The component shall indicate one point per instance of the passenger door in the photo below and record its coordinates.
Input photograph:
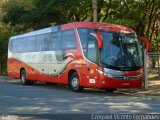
(92, 56)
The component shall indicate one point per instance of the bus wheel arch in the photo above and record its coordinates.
(74, 81)
(21, 70)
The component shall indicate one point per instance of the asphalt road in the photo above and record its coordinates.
(58, 99)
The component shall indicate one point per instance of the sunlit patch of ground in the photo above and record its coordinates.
(153, 90)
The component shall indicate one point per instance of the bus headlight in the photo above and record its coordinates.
(101, 72)
(105, 74)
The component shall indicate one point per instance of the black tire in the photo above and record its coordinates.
(110, 90)
(74, 83)
(24, 81)
(30, 82)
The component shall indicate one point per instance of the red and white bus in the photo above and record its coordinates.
(80, 54)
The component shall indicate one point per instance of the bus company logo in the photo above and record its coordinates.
(125, 78)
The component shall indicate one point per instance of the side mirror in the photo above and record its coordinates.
(99, 39)
(146, 42)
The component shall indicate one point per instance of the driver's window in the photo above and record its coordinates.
(92, 53)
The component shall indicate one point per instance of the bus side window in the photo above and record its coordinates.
(10, 45)
(30, 43)
(92, 52)
(68, 40)
(54, 41)
(83, 33)
(41, 44)
(14, 45)
(21, 45)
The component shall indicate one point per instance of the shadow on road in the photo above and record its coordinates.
(151, 92)
(58, 99)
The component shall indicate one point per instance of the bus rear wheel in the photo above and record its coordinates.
(74, 83)
(23, 78)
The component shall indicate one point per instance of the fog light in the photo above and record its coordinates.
(104, 82)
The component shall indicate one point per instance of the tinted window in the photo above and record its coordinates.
(41, 44)
(31, 44)
(13, 45)
(54, 41)
(89, 44)
(68, 40)
(83, 33)
(92, 51)
(26, 44)
(21, 45)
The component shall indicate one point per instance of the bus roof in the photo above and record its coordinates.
(94, 25)
(105, 26)
(41, 31)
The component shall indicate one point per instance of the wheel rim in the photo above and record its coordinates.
(75, 82)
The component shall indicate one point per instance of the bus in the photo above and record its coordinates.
(79, 54)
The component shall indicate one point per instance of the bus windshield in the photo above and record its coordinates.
(120, 51)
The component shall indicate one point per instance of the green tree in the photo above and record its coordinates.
(5, 33)
(20, 16)
(41, 13)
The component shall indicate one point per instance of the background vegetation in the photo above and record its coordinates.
(20, 16)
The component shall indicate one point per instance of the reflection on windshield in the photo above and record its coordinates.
(121, 51)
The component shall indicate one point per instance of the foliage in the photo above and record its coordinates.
(20, 16)
(41, 13)
(5, 33)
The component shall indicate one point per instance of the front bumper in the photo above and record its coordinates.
(105, 82)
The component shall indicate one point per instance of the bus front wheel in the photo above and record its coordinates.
(74, 83)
